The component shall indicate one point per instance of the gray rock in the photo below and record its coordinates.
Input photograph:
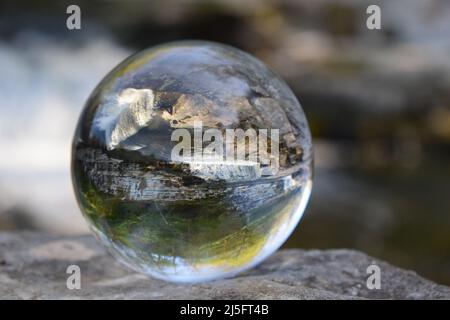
(33, 266)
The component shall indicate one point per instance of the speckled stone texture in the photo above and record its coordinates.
(33, 266)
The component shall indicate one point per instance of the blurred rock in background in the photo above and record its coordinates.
(378, 102)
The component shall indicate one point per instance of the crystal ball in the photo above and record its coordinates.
(192, 161)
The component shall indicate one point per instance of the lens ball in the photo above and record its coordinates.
(192, 161)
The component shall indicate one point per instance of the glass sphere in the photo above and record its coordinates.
(192, 161)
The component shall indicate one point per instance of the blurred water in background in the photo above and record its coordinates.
(43, 86)
(378, 103)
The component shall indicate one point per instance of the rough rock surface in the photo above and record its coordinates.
(33, 266)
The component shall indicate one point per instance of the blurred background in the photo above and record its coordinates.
(378, 104)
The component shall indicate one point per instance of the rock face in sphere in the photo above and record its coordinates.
(192, 161)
